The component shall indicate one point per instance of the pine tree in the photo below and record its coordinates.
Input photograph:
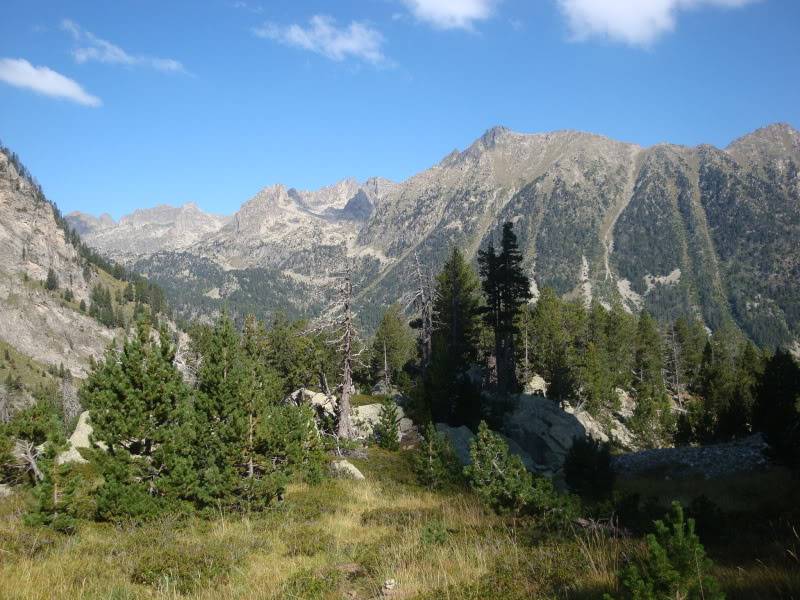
(139, 405)
(262, 389)
(392, 347)
(777, 406)
(435, 462)
(51, 283)
(453, 397)
(339, 321)
(552, 346)
(222, 421)
(652, 420)
(385, 431)
(507, 289)
(675, 566)
(498, 478)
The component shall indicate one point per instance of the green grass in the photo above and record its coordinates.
(31, 373)
(364, 399)
(344, 539)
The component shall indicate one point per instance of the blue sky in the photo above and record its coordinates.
(126, 104)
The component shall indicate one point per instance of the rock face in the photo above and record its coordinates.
(668, 228)
(717, 460)
(543, 430)
(34, 320)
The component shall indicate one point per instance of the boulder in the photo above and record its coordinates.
(543, 430)
(537, 386)
(5, 490)
(367, 416)
(346, 470)
(461, 438)
(323, 405)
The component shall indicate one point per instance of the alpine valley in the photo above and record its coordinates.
(671, 229)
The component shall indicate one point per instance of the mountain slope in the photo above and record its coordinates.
(669, 228)
(146, 230)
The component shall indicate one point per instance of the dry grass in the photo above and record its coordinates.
(342, 539)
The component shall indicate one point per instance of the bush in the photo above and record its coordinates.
(675, 566)
(587, 469)
(499, 479)
(385, 430)
(435, 462)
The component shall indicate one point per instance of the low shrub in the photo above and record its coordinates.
(435, 462)
(498, 478)
(675, 564)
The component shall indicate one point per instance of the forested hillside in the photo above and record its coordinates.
(678, 231)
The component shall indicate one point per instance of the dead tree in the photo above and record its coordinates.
(423, 303)
(339, 320)
(29, 455)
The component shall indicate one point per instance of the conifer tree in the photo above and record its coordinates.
(261, 390)
(220, 413)
(339, 322)
(393, 345)
(386, 428)
(51, 283)
(139, 407)
(435, 462)
(653, 420)
(507, 289)
(552, 346)
(452, 396)
(777, 406)
(499, 478)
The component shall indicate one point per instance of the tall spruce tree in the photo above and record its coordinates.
(507, 289)
(453, 397)
(777, 406)
(652, 421)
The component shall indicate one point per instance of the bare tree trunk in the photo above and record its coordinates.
(386, 375)
(423, 298)
(345, 425)
(29, 454)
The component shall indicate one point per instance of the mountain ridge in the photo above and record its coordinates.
(597, 218)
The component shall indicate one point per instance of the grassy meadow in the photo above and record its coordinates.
(345, 539)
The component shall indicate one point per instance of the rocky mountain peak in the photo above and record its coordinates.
(774, 142)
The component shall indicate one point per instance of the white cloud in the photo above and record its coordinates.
(100, 50)
(635, 22)
(248, 6)
(22, 74)
(452, 14)
(323, 36)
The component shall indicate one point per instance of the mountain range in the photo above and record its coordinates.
(667, 228)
